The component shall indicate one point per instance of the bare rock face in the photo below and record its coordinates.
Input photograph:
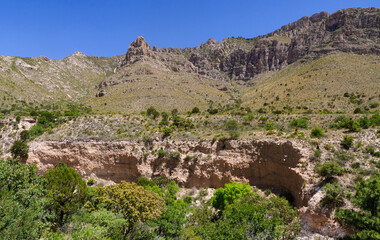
(350, 30)
(136, 49)
(262, 163)
(277, 165)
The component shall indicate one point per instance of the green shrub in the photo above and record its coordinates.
(231, 124)
(299, 123)
(317, 132)
(152, 112)
(66, 191)
(195, 110)
(317, 153)
(24, 135)
(161, 153)
(329, 170)
(270, 126)
(234, 134)
(90, 182)
(19, 149)
(333, 195)
(364, 221)
(347, 142)
(227, 195)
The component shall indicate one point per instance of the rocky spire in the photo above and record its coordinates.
(136, 50)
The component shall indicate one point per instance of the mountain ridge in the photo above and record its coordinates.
(212, 73)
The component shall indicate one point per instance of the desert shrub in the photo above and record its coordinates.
(364, 122)
(262, 110)
(24, 135)
(164, 116)
(347, 142)
(365, 221)
(299, 123)
(19, 149)
(248, 117)
(317, 132)
(195, 110)
(358, 110)
(270, 126)
(174, 112)
(334, 195)
(231, 124)
(161, 153)
(234, 134)
(152, 112)
(373, 105)
(227, 195)
(329, 170)
(317, 153)
(175, 155)
(375, 120)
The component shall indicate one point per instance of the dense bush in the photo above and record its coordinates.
(66, 191)
(227, 195)
(329, 170)
(19, 149)
(317, 132)
(299, 123)
(366, 220)
(347, 142)
(334, 195)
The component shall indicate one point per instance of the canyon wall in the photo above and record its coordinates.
(283, 166)
(264, 163)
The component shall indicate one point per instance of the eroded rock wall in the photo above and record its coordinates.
(208, 164)
(263, 163)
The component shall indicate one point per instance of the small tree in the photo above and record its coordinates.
(19, 149)
(24, 135)
(151, 111)
(133, 201)
(227, 195)
(66, 191)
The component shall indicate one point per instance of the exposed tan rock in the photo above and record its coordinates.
(275, 164)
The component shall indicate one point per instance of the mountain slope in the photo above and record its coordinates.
(216, 74)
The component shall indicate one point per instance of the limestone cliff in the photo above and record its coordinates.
(278, 165)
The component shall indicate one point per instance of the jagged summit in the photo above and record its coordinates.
(349, 30)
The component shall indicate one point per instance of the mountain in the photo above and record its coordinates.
(313, 60)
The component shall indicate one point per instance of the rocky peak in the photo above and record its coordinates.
(140, 43)
(137, 49)
(79, 54)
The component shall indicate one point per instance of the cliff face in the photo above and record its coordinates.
(282, 166)
(201, 164)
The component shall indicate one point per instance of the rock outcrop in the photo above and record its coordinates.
(278, 165)
(350, 30)
(261, 163)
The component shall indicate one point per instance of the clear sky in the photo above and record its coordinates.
(58, 28)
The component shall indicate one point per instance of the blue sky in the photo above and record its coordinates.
(58, 28)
